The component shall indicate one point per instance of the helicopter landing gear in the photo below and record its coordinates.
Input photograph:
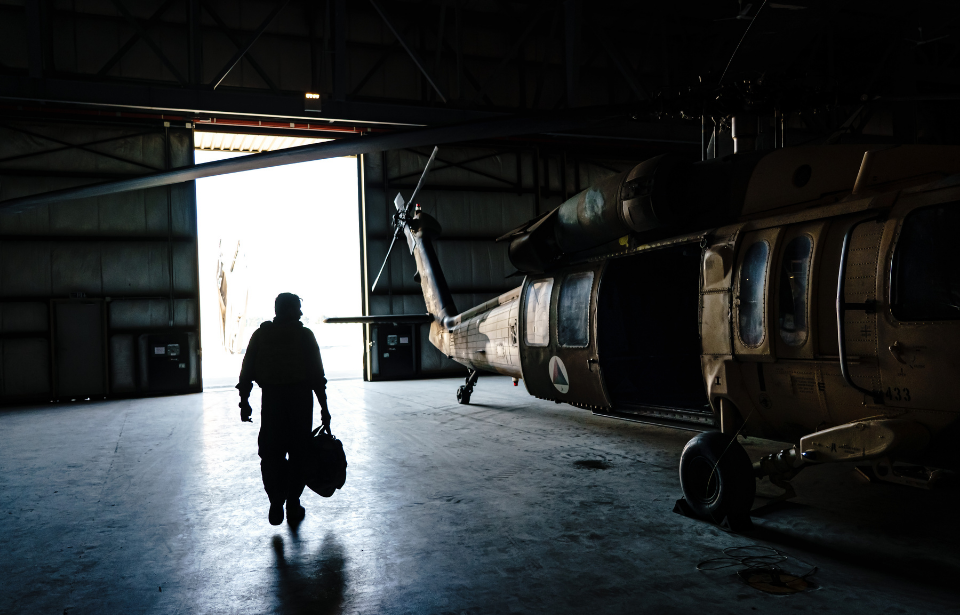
(781, 467)
(464, 392)
(717, 479)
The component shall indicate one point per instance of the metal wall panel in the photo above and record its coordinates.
(185, 268)
(75, 268)
(24, 317)
(25, 269)
(136, 269)
(133, 254)
(473, 264)
(151, 313)
(123, 364)
(470, 214)
(26, 368)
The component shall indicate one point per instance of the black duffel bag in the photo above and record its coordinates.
(326, 463)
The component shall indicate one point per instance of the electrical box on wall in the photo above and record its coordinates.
(167, 362)
(395, 351)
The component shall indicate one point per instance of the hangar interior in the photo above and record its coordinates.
(127, 484)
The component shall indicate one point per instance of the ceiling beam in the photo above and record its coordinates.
(486, 129)
(239, 45)
(510, 54)
(253, 104)
(243, 50)
(133, 21)
(152, 20)
(413, 55)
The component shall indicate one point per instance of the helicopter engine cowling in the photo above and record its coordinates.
(650, 197)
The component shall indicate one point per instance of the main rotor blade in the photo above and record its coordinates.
(426, 169)
(385, 259)
(470, 131)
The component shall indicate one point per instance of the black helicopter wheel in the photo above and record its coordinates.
(716, 476)
(463, 396)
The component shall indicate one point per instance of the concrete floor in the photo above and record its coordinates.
(155, 506)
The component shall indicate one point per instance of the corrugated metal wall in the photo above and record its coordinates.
(477, 194)
(86, 285)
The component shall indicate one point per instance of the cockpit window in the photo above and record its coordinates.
(794, 280)
(753, 275)
(926, 279)
(573, 310)
(537, 315)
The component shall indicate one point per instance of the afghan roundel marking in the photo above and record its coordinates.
(558, 375)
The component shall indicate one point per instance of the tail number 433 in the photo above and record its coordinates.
(898, 394)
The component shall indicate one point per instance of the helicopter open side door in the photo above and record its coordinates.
(558, 336)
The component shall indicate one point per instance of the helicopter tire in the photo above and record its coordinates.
(716, 477)
(463, 396)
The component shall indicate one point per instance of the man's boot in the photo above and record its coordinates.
(295, 512)
(276, 513)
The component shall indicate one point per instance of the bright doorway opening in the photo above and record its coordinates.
(294, 229)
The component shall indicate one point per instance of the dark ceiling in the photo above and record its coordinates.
(382, 63)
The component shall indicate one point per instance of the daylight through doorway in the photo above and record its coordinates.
(292, 229)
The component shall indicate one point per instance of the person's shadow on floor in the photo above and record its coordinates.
(311, 584)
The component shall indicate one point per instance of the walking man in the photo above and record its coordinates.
(284, 359)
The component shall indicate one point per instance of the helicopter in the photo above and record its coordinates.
(799, 295)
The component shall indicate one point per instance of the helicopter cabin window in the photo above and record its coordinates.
(537, 315)
(753, 274)
(926, 280)
(794, 280)
(573, 310)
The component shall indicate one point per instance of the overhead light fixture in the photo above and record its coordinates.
(311, 101)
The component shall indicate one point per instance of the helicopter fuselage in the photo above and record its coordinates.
(738, 324)
(818, 304)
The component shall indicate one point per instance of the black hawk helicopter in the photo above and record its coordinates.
(800, 294)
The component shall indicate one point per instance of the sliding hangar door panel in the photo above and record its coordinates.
(85, 285)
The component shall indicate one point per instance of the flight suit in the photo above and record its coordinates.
(284, 359)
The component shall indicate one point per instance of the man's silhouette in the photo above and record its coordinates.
(284, 359)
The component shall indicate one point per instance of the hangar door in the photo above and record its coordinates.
(98, 296)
